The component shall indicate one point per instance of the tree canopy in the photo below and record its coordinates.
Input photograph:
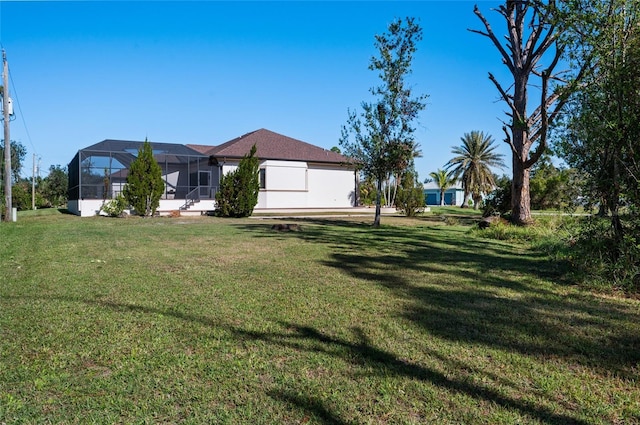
(444, 180)
(18, 152)
(380, 139)
(602, 128)
(472, 165)
(55, 185)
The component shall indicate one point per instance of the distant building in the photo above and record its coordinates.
(452, 196)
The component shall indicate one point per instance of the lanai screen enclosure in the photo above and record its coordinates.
(99, 172)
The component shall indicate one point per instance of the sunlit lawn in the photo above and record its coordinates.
(205, 320)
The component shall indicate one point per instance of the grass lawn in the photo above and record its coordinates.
(205, 320)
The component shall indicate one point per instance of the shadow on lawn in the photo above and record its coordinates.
(361, 352)
(309, 405)
(486, 293)
(364, 354)
(481, 292)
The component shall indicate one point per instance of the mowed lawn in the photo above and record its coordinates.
(205, 320)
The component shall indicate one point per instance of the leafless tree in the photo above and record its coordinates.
(530, 49)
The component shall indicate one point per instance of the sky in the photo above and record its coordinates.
(205, 72)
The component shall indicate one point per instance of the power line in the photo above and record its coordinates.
(24, 123)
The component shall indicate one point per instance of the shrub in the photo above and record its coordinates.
(115, 207)
(498, 202)
(367, 190)
(238, 194)
(541, 232)
(144, 183)
(451, 221)
(410, 196)
(602, 259)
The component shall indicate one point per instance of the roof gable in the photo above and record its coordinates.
(271, 145)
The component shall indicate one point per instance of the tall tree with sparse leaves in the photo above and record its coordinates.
(530, 49)
(238, 194)
(144, 183)
(380, 139)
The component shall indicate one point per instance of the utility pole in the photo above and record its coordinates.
(8, 212)
(33, 184)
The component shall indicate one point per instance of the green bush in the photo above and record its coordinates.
(367, 190)
(238, 194)
(451, 221)
(115, 207)
(410, 196)
(604, 261)
(544, 230)
(498, 202)
(144, 183)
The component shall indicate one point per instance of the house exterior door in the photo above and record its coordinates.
(204, 183)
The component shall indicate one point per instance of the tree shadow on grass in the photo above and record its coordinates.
(309, 405)
(482, 292)
(361, 352)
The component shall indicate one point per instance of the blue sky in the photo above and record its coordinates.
(205, 72)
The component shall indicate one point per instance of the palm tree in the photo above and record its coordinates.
(443, 180)
(472, 165)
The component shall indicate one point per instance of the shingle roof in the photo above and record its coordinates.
(203, 149)
(271, 145)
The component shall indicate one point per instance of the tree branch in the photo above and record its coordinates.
(544, 123)
(491, 35)
(509, 142)
(505, 96)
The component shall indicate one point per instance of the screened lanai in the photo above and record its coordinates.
(99, 172)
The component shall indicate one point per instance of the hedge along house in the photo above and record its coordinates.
(99, 172)
(293, 174)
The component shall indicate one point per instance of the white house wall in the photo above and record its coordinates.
(285, 175)
(330, 187)
(91, 207)
(295, 184)
(87, 207)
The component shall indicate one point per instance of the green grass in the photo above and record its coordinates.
(205, 320)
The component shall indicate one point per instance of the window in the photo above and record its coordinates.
(263, 178)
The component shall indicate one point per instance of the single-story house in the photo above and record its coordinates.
(452, 196)
(293, 174)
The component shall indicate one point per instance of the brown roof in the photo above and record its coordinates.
(270, 145)
(203, 149)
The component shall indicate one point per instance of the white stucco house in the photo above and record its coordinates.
(293, 173)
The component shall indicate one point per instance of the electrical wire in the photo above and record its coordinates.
(24, 122)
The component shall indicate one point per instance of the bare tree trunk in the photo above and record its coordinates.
(442, 198)
(520, 196)
(396, 182)
(376, 220)
(465, 200)
(476, 201)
